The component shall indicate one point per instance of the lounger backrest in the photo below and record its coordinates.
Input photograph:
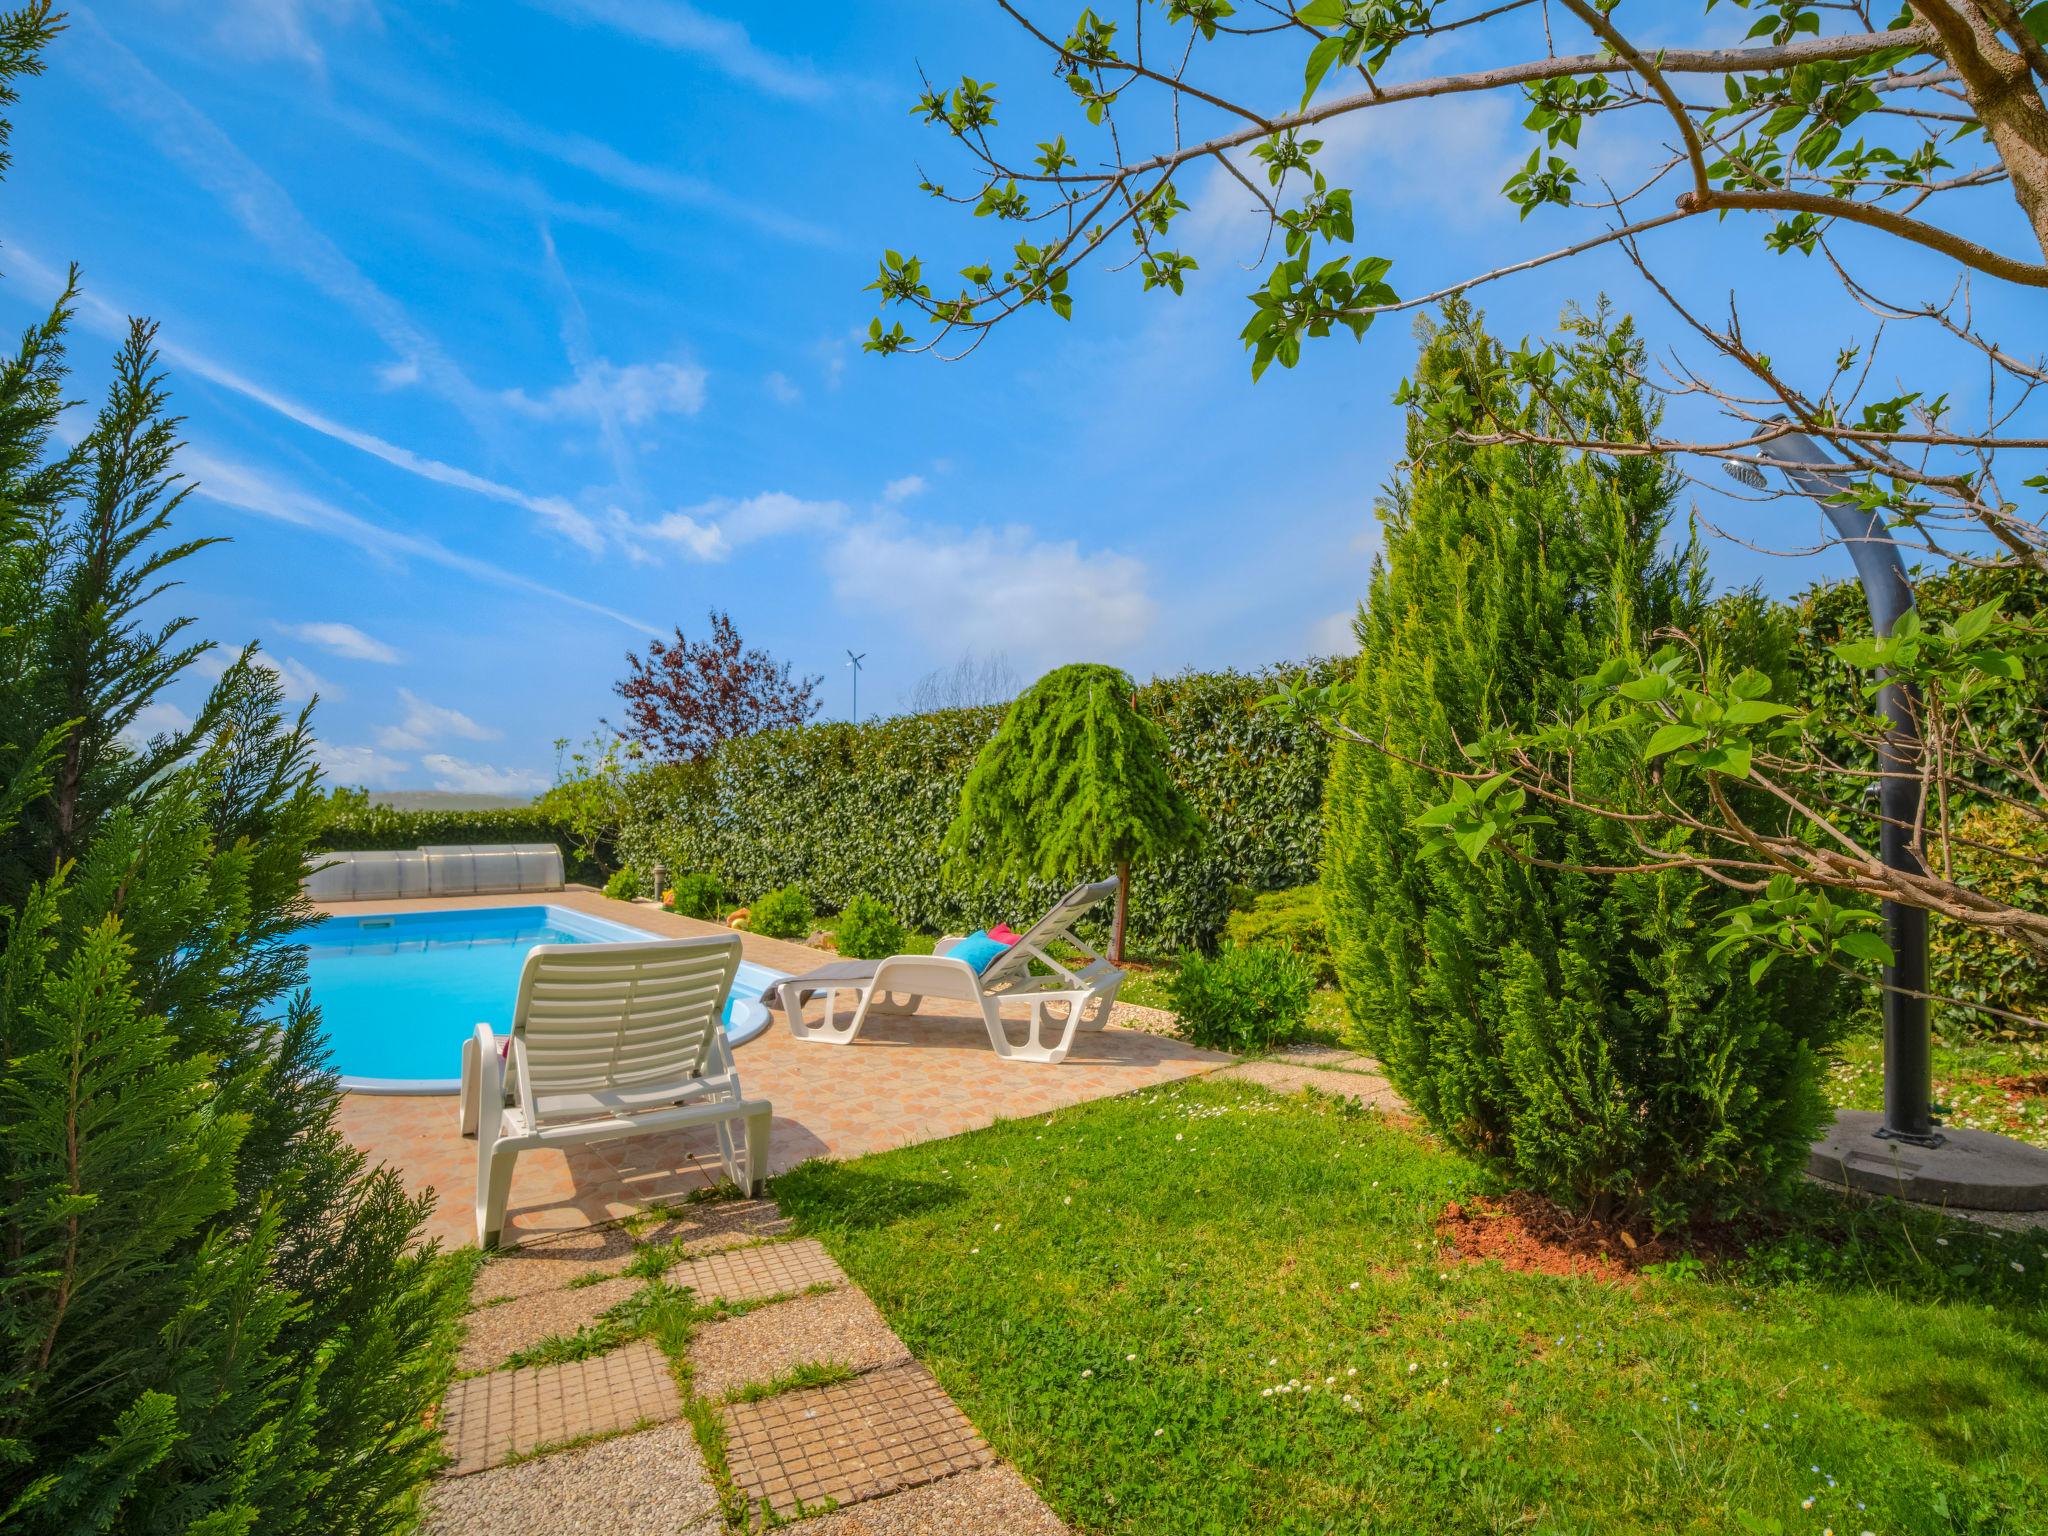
(1067, 911)
(598, 1016)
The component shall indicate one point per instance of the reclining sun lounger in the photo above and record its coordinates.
(608, 1040)
(1059, 997)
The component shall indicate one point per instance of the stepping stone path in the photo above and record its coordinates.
(605, 1445)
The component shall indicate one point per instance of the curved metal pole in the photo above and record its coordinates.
(1888, 590)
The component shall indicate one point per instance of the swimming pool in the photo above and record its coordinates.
(400, 992)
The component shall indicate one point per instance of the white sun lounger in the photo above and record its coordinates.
(1059, 997)
(608, 1040)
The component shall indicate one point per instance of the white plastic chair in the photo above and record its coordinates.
(1059, 997)
(608, 1040)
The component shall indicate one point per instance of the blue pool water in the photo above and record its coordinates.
(399, 994)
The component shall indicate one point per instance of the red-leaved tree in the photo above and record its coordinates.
(683, 699)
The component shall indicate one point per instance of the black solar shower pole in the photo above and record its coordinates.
(1908, 1039)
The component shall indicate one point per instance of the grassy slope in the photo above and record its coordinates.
(1109, 1291)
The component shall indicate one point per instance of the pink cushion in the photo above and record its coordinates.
(1003, 934)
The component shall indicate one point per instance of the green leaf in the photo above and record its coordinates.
(1732, 758)
(1669, 738)
(1861, 944)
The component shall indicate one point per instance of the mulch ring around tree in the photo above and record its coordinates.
(1527, 1232)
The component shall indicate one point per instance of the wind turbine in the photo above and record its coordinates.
(854, 662)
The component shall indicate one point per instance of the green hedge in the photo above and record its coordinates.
(844, 811)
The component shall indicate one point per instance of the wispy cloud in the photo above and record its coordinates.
(238, 485)
(903, 488)
(723, 44)
(342, 639)
(426, 723)
(191, 140)
(712, 530)
(781, 390)
(557, 513)
(364, 766)
(455, 775)
(267, 29)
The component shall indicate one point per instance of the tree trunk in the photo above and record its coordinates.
(1123, 907)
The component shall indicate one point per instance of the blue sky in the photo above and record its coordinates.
(509, 334)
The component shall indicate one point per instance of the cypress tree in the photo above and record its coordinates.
(1567, 1026)
(1074, 782)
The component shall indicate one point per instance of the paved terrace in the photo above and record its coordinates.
(903, 1081)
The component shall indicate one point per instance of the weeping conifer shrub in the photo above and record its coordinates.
(213, 1316)
(1075, 785)
(1568, 1027)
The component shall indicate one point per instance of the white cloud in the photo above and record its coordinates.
(342, 639)
(1332, 634)
(457, 776)
(264, 29)
(713, 529)
(781, 390)
(635, 394)
(364, 766)
(159, 717)
(996, 589)
(724, 44)
(903, 489)
(425, 723)
(300, 682)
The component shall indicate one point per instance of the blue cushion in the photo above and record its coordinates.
(978, 949)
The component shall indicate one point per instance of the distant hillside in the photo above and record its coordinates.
(443, 800)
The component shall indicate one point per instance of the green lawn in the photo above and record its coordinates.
(1966, 1085)
(1208, 1309)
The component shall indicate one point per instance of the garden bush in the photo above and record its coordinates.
(1292, 919)
(624, 885)
(847, 810)
(1569, 1027)
(699, 895)
(1244, 998)
(868, 930)
(781, 914)
(1971, 963)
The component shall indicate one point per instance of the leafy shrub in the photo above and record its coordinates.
(1292, 919)
(1244, 999)
(847, 810)
(698, 895)
(623, 886)
(781, 914)
(1571, 1028)
(1970, 962)
(868, 930)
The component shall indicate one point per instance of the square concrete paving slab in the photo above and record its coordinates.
(837, 1328)
(750, 1274)
(486, 1420)
(495, 1334)
(881, 1433)
(705, 1226)
(993, 1501)
(649, 1484)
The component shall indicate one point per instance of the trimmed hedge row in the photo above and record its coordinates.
(845, 810)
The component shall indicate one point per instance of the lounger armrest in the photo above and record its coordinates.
(483, 1082)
